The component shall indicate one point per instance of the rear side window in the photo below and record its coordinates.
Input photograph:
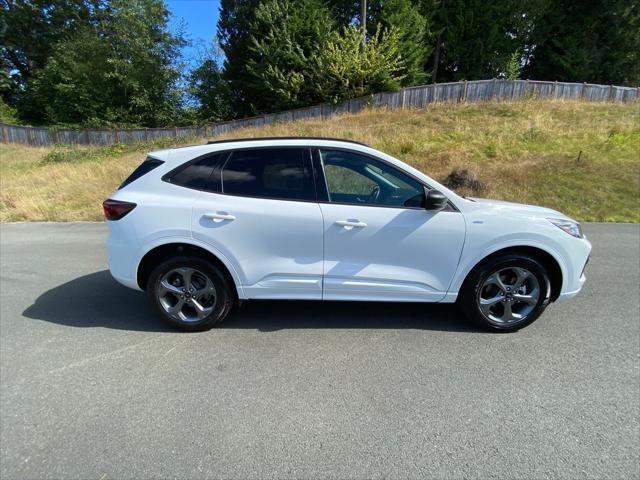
(144, 168)
(279, 173)
(203, 174)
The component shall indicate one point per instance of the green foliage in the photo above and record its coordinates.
(7, 113)
(29, 31)
(115, 62)
(235, 40)
(513, 67)
(210, 91)
(354, 70)
(476, 39)
(596, 41)
(412, 30)
(121, 69)
(287, 38)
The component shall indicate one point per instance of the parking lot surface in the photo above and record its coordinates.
(93, 386)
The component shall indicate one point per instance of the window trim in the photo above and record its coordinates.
(307, 166)
(320, 166)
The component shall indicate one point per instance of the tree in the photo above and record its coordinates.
(235, 40)
(287, 38)
(475, 39)
(121, 69)
(413, 32)
(353, 70)
(29, 30)
(593, 41)
(207, 87)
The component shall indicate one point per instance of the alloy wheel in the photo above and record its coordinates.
(186, 294)
(508, 295)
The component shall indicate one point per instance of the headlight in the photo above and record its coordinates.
(569, 226)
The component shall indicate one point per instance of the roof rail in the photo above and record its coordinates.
(213, 142)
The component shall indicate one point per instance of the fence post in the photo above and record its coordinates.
(464, 92)
(555, 89)
(402, 99)
(5, 134)
(493, 89)
(610, 92)
(584, 84)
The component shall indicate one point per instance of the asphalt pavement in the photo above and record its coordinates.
(92, 385)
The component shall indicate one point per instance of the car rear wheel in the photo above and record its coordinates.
(189, 293)
(506, 293)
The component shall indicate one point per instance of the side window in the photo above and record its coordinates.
(203, 174)
(279, 173)
(361, 180)
(142, 169)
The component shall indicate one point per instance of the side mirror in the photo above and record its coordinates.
(434, 199)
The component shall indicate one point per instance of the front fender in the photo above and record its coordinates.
(472, 255)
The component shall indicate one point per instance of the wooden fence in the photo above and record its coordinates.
(410, 97)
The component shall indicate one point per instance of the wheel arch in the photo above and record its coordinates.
(178, 247)
(546, 259)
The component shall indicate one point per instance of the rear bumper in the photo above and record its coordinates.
(121, 249)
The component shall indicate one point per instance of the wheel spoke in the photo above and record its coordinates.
(208, 289)
(201, 311)
(487, 303)
(521, 276)
(186, 274)
(494, 279)
(530, 299)
(166, 287)
(508, 313)
(177, 308)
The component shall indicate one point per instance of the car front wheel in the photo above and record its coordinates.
(506, 293)
(189, 293)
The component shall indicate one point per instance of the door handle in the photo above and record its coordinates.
(219, 216)
(349, 224)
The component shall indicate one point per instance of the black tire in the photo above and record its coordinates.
(475, 286)
(220, 304)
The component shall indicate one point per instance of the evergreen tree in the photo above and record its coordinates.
(287, 37)
(594, 41)
(207, 87)
(234, 37)
(351, 69)
(413, 32)
(476, 39)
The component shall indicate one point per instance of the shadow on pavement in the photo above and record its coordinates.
(96, 300)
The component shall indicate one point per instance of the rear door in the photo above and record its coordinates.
(262, 216)
(379, 242)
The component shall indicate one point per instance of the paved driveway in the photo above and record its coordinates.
(92, 386)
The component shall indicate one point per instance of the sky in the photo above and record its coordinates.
(200, 18)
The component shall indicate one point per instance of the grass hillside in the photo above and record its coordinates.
(580, 158)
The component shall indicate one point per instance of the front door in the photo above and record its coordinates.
(379, 243)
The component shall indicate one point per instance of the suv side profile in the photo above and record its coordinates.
(200, 228)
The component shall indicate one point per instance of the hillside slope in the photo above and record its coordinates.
(580, 158)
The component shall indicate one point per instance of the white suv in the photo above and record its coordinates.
(200, 228)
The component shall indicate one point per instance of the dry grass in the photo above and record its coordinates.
(580, 158)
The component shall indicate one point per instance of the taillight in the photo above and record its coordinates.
(115, 209)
